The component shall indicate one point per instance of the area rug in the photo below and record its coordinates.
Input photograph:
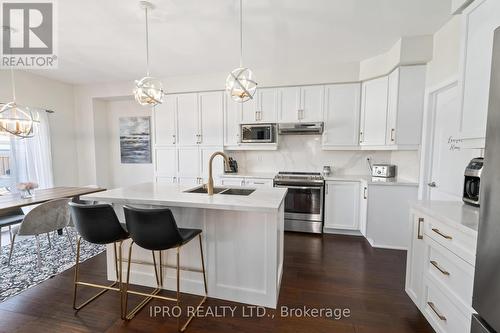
(23, 272)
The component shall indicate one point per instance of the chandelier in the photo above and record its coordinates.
(148, 90)
(15, 119)
(240, 83)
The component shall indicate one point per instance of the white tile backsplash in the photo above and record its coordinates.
(304, 153)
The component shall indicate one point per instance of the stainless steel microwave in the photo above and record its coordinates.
(258, 133)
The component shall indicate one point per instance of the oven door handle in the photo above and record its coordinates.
(301, 187)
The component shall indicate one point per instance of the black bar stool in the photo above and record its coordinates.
(156, 230)
(98, 224)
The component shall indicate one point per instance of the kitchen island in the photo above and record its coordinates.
(242, 240)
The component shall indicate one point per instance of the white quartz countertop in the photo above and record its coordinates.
(456, 213)
(262, 200)
(373, 180)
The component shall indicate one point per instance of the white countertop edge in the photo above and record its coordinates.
(132, 201)
(437, 210)
(174, 196)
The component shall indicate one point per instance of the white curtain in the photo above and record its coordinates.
(32, 157)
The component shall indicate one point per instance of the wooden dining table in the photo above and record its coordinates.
(14, 200)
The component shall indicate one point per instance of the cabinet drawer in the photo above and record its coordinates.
(454, 275)
(258, 182)
(441, 313)
(456, 241)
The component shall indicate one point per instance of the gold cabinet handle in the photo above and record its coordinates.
(437, 231)
(419, 230)
(361, 139)
(435, 264)
(435, 310)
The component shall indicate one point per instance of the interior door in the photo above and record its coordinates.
(187, 115)
(211, 118)
(165, 122)
(374, 112)
(448, 159)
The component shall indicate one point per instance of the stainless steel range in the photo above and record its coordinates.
(304, 200)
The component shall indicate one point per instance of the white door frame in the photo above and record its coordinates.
(428, 134)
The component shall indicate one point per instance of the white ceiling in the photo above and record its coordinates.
(103, 40)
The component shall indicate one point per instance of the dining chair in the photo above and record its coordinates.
(43, 219)
(8, 219)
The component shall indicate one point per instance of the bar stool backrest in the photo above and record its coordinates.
(152, 229)
(97, 224)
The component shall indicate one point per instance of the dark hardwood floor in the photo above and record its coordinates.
(337, 272)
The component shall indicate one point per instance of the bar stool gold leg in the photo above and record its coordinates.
(159, 280)
(183, 328)
(148, 297)
(77, 282)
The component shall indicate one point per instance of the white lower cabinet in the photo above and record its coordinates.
(343, 205)
(166, 165)
(439, 279)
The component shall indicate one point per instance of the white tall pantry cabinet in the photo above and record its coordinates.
(188, 128)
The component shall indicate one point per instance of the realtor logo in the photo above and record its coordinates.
(28, 34)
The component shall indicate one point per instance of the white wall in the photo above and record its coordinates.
(446, 55)
(37, 91)
(124, 174)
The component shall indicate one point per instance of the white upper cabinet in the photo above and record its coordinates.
(405, 106)
(481, 20)
(188, 119)
(263, 108)
(165, 117)
(301, 104)
(311, 99)
(342, 110)
(374, 112)
(392, 109)
(289, 99)
(232, 120)
(211, 118)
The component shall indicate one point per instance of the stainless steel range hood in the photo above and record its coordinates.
(301, 128)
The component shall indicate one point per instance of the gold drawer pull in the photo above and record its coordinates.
(441, 234)
(435, 264)
(433, 307)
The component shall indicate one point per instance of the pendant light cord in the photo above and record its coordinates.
(147, 41)
(241, 33)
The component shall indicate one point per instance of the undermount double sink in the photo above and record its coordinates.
(222, 190)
